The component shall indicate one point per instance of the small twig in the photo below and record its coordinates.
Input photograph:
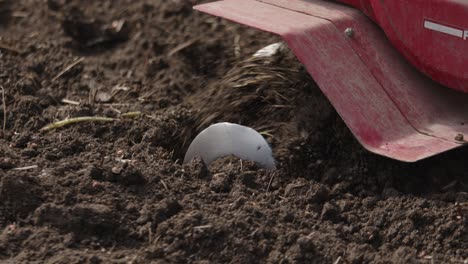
(150, 233)
(77, 120)
(115, 104)
(67, 101)
(92, 92)
(147, 95)
(115, 110)
(182, 47)
(203, 227)
(26, 168)
(4, 109)
(338, 260)
(269, 183)
(68, 68)
(282, 96)
(120, 87)
(71, 121)
(131, 114)
(282, 106)
(266, 133)
(237, 47)
(19, 14)
(164, 184)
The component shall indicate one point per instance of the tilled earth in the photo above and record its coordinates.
(116, 192)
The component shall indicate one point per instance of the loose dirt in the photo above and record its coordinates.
(116, 192)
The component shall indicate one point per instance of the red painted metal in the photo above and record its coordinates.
(431, 34)
(363, 5)
(359, 4)
(390, 107)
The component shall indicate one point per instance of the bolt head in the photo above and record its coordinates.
(460, 137)
(349, 32)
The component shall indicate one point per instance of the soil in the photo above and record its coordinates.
(116, 192)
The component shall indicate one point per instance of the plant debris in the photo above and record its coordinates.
(71, 121)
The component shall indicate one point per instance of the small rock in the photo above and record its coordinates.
(296, 188)
(116, 169)
(344, 205)
(37, 65)
(305, 243)
(22, 140)
(26, 86)
(131, 176)
(404, 255)
(288, 217)
(330, 211)
(220, 182)
(370, 233)
(415, 215)
(145, 215)
(29, 153)
(248, 179)
(358, 253)
(103, 97)
(318, 194)
(165, 209)
(197, 168)
(155, 65)
(94, 172)
(6, 163)
(131, 208)
(369, 202)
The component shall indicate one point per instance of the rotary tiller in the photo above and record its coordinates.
(396, 71)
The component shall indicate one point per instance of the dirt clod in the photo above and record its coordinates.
(220, 182)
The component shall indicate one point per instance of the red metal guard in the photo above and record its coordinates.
(391, 108)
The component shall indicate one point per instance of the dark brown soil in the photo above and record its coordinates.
(116, 192)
